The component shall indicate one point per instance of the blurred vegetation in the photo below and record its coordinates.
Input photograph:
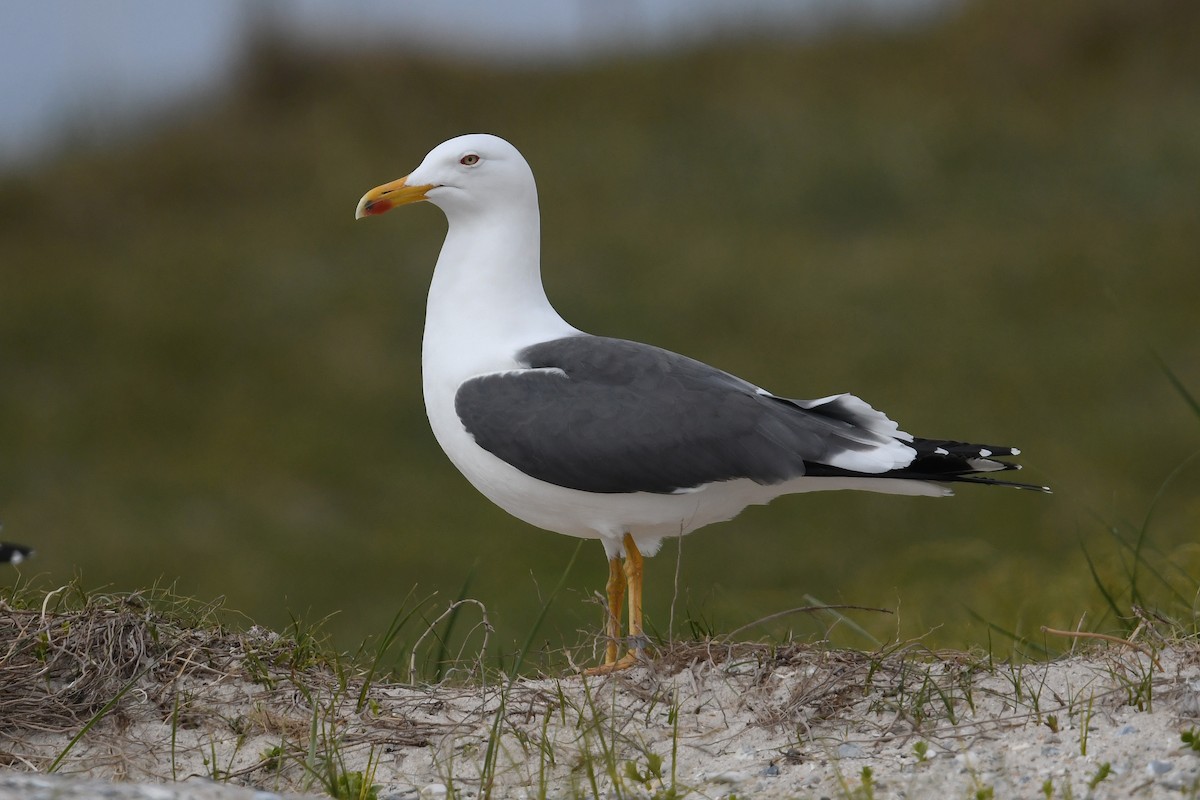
(209, 372)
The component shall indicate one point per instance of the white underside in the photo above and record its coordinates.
(649, 517)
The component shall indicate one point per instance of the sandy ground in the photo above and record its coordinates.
(229, 712)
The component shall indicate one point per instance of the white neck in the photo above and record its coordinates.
(486, 299)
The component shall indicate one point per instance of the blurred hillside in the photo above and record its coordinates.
(210, 374)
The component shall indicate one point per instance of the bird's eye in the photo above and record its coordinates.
(469, 160)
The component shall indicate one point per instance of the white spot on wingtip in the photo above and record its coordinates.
(941, 451)
(1015, 452)
(983, 451)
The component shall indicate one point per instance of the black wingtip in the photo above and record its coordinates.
(1032, 487)
(951, 461)
(945, 461)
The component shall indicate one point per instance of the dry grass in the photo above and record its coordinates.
(60, 668)
(123, 660)
(149, 687)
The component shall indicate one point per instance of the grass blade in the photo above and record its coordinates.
(99, 715)
(389, 636)
(1020, 641)
(1187, 396)
(439, 658)
(1108, 598)
(519, 658)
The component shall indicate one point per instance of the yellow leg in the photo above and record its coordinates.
(630, 575)
(616, 596)
(633, 575)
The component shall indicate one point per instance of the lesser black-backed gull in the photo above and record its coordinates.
(611, 439)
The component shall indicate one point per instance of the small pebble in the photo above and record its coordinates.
(729, 776)
(1157, 767)
(849, 750)
(1126, 730)
(434, 790)
(771, 771)
(1183, 779)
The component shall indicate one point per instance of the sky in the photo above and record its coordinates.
(74, 70)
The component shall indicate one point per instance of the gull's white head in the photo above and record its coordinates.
(474, 172)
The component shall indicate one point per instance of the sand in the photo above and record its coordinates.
(208, 715)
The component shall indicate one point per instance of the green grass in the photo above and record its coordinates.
(210, 373)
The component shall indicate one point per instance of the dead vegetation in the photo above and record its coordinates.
(117, 662)
(148, 687)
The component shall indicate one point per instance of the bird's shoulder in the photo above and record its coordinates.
(585, 357)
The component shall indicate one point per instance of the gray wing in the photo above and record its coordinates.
(608, 415)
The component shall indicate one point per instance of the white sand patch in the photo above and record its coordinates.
(707, 721)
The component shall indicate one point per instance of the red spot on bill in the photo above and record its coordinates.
(377, 207)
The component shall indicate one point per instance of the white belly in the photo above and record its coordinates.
(649, 517)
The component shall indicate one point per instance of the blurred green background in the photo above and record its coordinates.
(987, 227)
